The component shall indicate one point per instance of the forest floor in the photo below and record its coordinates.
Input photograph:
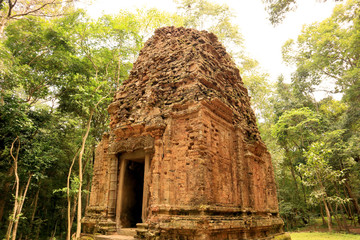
(319, 231)
(323, 236)
(324, 228)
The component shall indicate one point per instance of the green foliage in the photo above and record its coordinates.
(213, 17)
(74, 188)
(71, 64)
(151, 19)
(297, 128)
(38, 54)
(318, 173)
(258, 86)
(329, 49)
(18, 119)
(321, 158)
(277, 9)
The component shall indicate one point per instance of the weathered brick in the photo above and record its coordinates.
(185, 116)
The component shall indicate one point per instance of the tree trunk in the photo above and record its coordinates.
(73, 210)
(5, 191)
(350, 192)
(69, 225)
(294, 178)
(323, 198)
(88, 125)
(328, 215)
(35, 203)
(335, 215)
(54, 232)
(353, 199)
(17, 183)
(22, 200)
(82, 149)
(3, 200)
(344, 222)
(351, 216)
(322, 215)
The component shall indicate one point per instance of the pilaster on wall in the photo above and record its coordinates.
(97, 213)
(113, 183)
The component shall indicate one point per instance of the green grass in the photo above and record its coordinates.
(323, 236)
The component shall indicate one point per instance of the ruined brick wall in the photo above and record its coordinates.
(100, 175)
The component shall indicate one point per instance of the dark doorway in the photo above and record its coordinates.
(132, 193)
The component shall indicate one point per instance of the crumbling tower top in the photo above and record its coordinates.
(179, 65)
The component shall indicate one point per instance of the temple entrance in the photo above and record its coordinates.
(133, 194)
(131, 197)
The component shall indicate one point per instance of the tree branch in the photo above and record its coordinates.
(35, 10)
(10, 8)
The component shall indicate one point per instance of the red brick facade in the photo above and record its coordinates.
(182, 125)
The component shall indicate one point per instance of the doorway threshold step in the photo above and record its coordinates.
(127, 231)
(123, 234)
(113, 237)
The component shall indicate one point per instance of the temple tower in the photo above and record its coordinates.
(184, 158)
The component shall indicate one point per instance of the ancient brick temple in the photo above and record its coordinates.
(184, 155)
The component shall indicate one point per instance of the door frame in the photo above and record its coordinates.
(140, 156)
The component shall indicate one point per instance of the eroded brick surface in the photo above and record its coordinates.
(185, 110)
